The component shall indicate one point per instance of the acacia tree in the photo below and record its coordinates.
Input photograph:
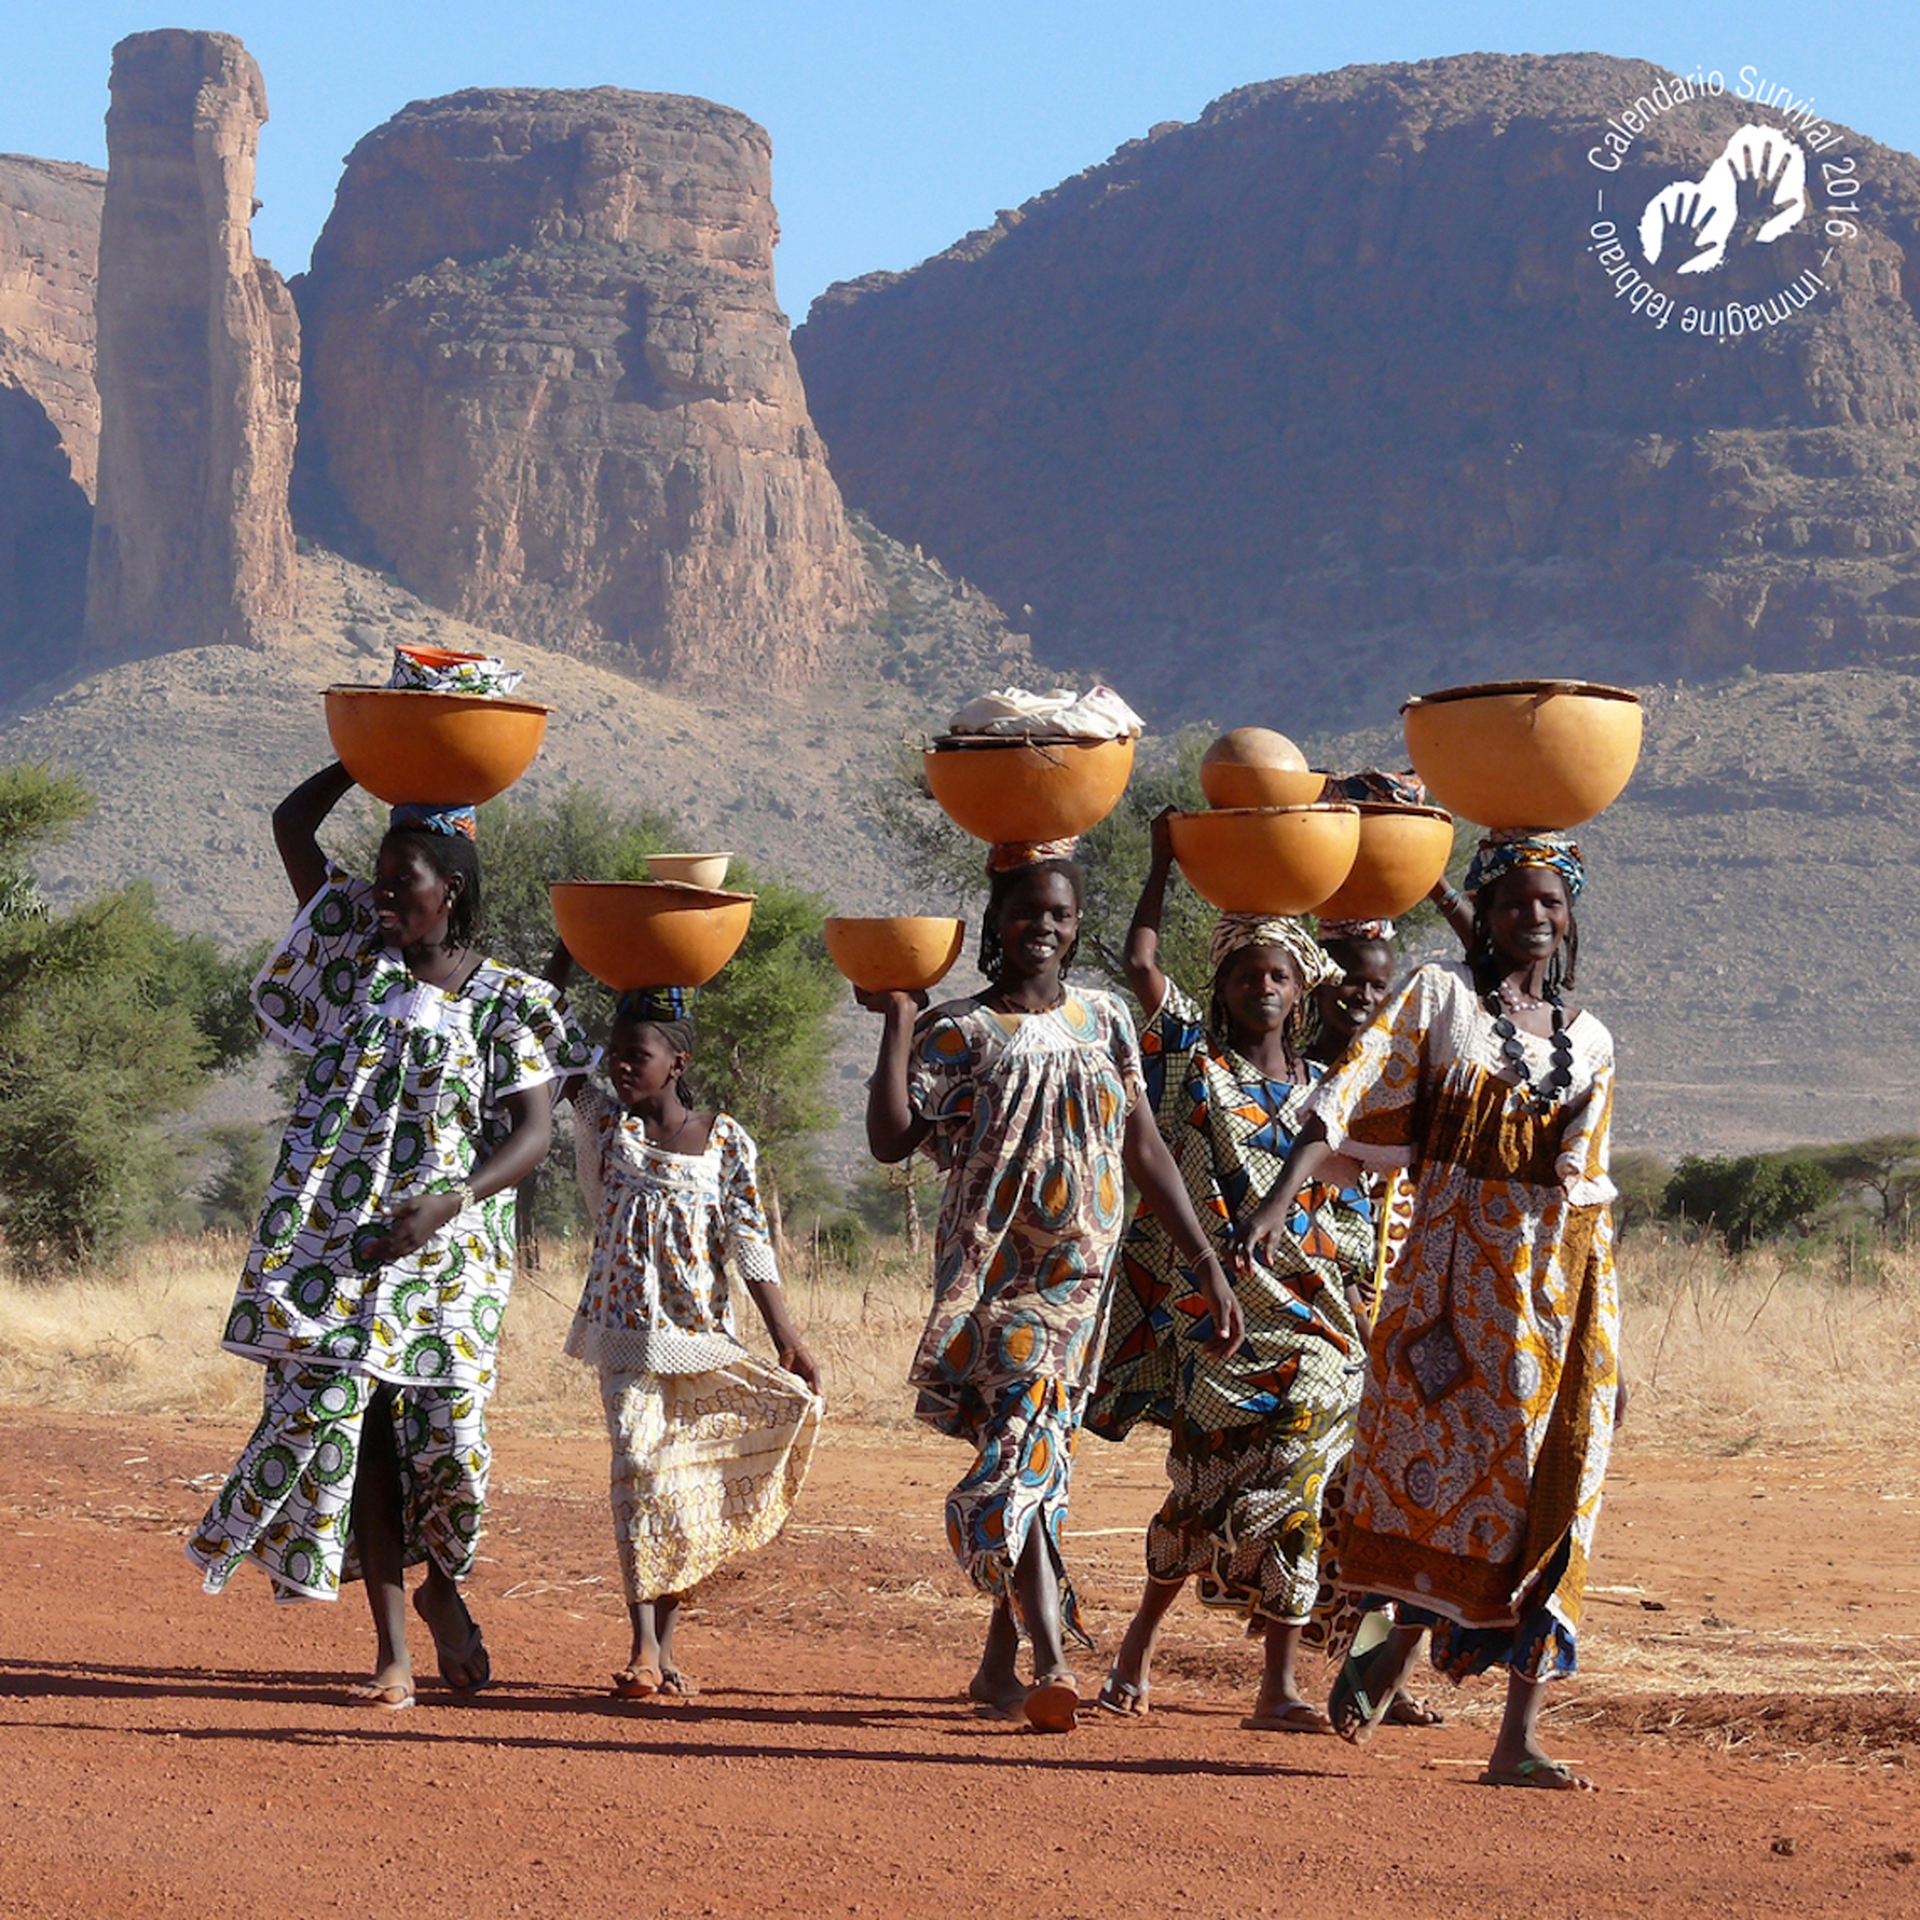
(109, 1022)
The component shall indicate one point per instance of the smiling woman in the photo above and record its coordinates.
(378, 1277)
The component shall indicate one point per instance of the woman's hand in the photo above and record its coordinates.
(1260, 1237)
(412, 1224)
(1229, 1323)
(891, 1001)
(1160, 839)
(797, 1360)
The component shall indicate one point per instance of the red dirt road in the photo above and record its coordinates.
(167, 1754)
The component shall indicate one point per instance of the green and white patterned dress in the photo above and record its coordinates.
(405, 1092)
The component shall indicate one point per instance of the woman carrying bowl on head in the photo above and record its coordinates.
(1257, 1431)
(1489, 1404)
(378, 1276)
(1029, 1096)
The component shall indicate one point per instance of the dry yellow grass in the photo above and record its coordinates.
(1773, 1353)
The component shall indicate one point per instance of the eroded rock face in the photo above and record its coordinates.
(549, 386)
(198, 361)
(49, 411)
(1320, 400)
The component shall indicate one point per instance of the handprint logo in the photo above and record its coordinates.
(1754, 193)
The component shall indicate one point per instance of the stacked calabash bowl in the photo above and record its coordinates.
(677, 929)
(1267, 843)
(433, 749)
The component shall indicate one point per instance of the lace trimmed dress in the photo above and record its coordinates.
(1028, 1114)
(404, 1092)
(1487, 1415)
(710, 1443)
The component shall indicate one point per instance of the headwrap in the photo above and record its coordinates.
(1233, 932)
(415, 818)
(1370, 784)
(655, 1006)
(1356, 930)
(1008, 856)
(1512, 847)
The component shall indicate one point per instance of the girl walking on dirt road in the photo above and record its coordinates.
(710, 1443)
(1489, 1404)
(1029, 1095)
(1255, 1434)
(378, 1277)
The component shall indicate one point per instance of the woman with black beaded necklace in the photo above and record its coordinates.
(1489, 1405)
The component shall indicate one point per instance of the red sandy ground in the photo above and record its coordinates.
(163, 1753)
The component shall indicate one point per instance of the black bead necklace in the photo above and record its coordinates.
(1544, 1097)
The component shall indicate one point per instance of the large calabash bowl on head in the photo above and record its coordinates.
(649, 933)
(897, 953)
(1256, 767)
(1402, 852)
(433, 749)
(1002, 790)
(1525, 753)
(1267, 859)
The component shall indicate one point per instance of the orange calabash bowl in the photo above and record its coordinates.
(1403, 851)
(1525, 753)
(901, 953)
(1256, 767)
(1028, 790)
(649, 933)
(1267, 859)
(433, 749)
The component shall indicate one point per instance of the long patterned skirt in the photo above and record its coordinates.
(289, 1501)
(705, 1465)
(1025, 1437)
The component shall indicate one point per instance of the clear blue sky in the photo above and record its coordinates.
(896, 128)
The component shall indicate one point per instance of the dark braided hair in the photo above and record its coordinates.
(1000, 887)
(452, 856)
(679, 1036)
(1487, 965)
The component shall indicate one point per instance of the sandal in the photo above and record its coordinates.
(1406, 1711)
(637, 1683)
(467, 1656)
(1355, 1716)
(1053, 1705)
(1122, 1697)
(388, 1699)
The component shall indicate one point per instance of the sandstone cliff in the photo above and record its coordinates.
(548, 384)
(49, 413)
(198, 361)
(1322, 398)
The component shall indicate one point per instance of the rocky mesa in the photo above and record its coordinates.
(49, 411)
(548, 384)
(197, 361)
(1331, 387)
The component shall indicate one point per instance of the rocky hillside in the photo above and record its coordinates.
(548, 385)
(1328, 389)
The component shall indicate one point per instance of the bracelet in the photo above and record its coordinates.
(465, 1195)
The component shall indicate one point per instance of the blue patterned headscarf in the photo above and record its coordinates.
(655, 1006)
(415, 818)
(1514, 847)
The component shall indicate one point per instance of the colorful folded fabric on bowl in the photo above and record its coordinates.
(1012, 712)
(441, 670)
(1377, 788)
(423, 818)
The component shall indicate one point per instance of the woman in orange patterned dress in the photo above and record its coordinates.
(1489, 1405)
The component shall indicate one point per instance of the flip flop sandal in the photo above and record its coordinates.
(1122, 1698)
(1406, 1711)
(636, 1683)
(1053, 1706)
(674, 1685)
(1298, 1718)
(1548, 1774)
(1355, 1715)
(470, 1654)
(391, 1699)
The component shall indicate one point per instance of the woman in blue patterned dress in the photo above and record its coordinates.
(1029, 1097)
(378, 1276)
